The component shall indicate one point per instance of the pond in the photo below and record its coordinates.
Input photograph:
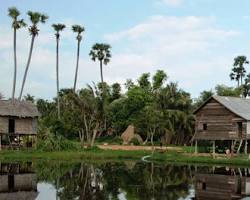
(129, 180)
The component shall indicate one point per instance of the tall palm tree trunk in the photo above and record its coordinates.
(15, 68)
(57, 77)
(27, 66)
(77, 64)
(101, 71)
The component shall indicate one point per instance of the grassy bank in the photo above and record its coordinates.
(107, 155)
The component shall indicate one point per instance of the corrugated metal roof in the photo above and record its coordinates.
(239, 106)
(18, 109)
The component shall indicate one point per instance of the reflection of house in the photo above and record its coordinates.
(223, 118)
(221, 187)
(17, 183)
(17, 120)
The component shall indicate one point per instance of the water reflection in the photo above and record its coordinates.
(17, 181)
(125, 181)
(223, 183)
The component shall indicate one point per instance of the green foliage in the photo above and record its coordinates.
(205, 95)
(238, 70)
(110, 139)
(135, 141)
(50, 142)
(223, 90)
(152, 105)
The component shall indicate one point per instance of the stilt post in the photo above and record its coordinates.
(214, 149)
(245, 147)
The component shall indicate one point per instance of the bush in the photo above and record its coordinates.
(50, 142)
(110, 139)
(135, 141)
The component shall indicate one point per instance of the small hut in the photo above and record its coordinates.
(18, 123)
(225, 119)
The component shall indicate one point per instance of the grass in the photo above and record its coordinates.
(94, 154)
(98, 155)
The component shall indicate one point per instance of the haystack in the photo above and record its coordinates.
(129, 134)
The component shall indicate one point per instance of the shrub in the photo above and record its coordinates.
(135, 141)
(50, 142)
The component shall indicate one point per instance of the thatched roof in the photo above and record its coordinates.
(18, 109)
(29, 195)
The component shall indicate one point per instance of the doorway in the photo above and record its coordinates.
(11, 126)
(240, 129)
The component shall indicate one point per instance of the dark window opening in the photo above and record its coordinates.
(204, 186)
(240, 128)
(204, 127)
(11, 183)
(11, 126)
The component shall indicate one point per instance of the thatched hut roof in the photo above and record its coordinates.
(18, 109)
(129, 134)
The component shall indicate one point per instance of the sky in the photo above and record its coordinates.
(193, 41)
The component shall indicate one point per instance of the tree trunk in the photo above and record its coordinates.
(146, 140)
(57, 78)
(152, 141)
(27, 66)
(101, 71)
(15, 68)
(94, 135)
(77, 64)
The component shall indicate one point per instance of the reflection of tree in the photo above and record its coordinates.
(108, 180)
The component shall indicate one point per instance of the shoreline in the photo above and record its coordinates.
(99, 155)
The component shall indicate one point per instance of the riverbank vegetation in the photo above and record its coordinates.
(97, 155)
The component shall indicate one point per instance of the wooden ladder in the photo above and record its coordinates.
(237, 146)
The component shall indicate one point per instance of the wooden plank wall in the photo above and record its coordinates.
(4, 124)
(217, 187)
(22, 125)
(221, 123)
(25, 126)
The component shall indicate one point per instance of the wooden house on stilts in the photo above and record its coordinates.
(18, 123)
(224, 119)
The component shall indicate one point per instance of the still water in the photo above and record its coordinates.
(48, 180)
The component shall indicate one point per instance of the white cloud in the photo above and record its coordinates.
(185, 47)
(41, 76)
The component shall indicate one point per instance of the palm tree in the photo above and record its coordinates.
(238, 70)
(16, 24)
(77, 29)
(35, 18)
(102, 53)
(58, 28)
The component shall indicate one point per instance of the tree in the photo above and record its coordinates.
(144, 82)
(58, 28)
(35, 18)
(246, 86)
(89, 115)
(16, 24)
(205, 95)
(77, 29)
(115, 91)
(238, 70)
(30, 98)
(158, 79)
(102, 53)
(223, 90)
